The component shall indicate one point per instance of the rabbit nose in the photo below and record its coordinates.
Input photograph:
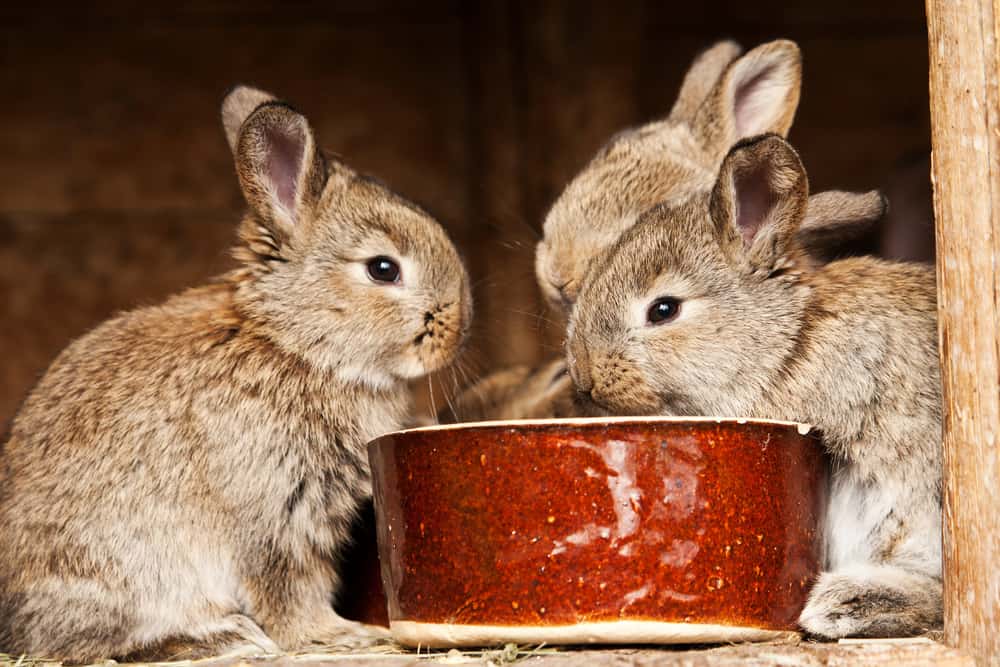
(579, 365)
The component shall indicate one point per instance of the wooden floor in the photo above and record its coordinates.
(847, 653)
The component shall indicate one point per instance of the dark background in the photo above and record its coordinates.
(117, 187)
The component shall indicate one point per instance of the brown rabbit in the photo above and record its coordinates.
(724, 97)
(521, 392)
(707, 307)
(182, 479)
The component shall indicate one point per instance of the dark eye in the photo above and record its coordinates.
(663, 310)
(383, 270)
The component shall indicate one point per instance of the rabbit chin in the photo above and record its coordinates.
(418, 363)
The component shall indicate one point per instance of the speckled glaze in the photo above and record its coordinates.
(564, 522)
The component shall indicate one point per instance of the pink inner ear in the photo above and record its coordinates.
(754, 200)
(285, 148)
(756, 103)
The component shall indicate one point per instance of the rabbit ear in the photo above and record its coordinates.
(759, 200)
(757, 94)
(240, 102)
(703, 74)
(835, 217)
(279, 167)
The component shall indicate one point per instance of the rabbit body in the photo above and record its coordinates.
(182, 479)
(710, 307)
(145, 495)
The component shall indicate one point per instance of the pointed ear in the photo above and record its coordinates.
(759, 201)
(281, 172)
(835, 217)
(757, 94)
(239, 103)
(701, 77)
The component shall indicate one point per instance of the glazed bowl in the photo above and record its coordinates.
(624, 530)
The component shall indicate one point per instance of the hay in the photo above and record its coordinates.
(498, 657)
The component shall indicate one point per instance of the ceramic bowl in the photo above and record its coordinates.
(627, 530)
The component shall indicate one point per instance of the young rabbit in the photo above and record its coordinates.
(521, 392)
(708, 307)
(723, 98)
(182, 479)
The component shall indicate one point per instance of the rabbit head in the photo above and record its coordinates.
(723, 98)
(338, 268)
(695, 309)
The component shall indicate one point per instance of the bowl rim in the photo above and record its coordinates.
(802, 427)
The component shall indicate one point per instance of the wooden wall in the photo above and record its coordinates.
(116, 186)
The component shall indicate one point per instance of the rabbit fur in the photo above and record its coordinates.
(183, 477)
(761, 331)
(724, 97)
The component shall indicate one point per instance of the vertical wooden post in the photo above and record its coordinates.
(965, 124)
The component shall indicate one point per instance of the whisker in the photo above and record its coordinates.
(451, 406)
(430, 388)
(536, 315)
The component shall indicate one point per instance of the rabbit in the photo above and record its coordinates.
(708, 307)
(182, 479)
(724, 97)
(522, 392)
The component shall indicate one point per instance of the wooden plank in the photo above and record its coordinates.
(502, 250)
(965, 122)
(125, 115)
(61, 275)
(918, 652)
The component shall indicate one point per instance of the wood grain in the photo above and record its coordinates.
(965, 122)
(918, 652)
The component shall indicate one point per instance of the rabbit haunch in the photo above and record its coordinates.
(759, 331)
(182, 479)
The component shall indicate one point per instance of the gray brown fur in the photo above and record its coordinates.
(849, 346)
(183, 477)
(668, 160)
(517, 392)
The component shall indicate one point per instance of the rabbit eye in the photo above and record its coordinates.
(383, 270)
(663, 310)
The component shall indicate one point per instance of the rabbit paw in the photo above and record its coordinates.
(875, 601)
(340, 634)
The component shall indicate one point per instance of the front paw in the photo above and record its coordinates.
(340, 634)
(880, 602)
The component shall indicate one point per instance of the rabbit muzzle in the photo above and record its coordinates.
(445, 329)
(610, 381)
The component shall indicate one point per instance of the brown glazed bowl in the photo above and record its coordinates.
(624, 530)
